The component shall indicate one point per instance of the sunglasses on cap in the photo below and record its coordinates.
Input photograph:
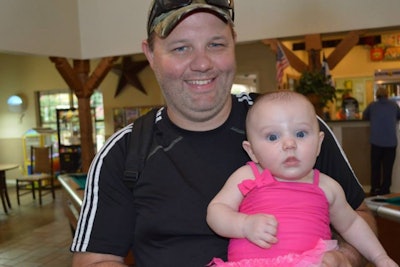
(164, 6)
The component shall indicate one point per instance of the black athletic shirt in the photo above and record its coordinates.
(164, 220)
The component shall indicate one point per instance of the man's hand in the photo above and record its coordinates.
(335, 258)
(347, 255)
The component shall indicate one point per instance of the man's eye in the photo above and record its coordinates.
(216, 44)
(301, 134)
(272, 137)
(180, 49)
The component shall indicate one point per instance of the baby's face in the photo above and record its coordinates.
(285, 137)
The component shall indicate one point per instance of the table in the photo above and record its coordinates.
(3, 184)
(382, 208)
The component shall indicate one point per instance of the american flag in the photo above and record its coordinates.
(326, 71)
(281, 64)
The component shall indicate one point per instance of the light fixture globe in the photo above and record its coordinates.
(16, 104)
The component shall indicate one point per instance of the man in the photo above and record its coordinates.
(196, 146)
(383, 115)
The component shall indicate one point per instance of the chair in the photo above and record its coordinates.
(41, 177)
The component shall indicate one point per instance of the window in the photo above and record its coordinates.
(50, 101)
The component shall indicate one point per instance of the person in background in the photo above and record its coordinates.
(196, 146)
(283, 143)
(383, 115)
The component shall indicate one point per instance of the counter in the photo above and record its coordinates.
(353, 135)
(72, 198)
(387, 219)
(385, 206)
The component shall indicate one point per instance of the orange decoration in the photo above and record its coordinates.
(376, 53)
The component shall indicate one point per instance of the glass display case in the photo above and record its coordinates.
(69, 140)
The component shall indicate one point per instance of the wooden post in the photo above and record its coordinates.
(83, 84)
(313, 47)
(83, 93)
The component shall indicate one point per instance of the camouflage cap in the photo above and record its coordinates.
(164, 23)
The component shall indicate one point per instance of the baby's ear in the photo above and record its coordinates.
(321, 136)
(247, 147)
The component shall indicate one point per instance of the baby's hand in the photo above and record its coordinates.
(261, 229)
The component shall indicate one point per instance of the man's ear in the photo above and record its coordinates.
(247, 147)
(147, 52)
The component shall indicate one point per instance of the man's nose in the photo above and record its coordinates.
(201, 61)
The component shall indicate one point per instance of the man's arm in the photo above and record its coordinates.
(347, 255)
(82, 259)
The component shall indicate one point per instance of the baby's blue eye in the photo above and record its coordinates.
(272, 137)
(301, 134)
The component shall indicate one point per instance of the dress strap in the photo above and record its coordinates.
(254, 168)
(316, 177)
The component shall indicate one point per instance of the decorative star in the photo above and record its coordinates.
(129, 74)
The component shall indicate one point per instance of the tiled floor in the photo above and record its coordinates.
(33, 235)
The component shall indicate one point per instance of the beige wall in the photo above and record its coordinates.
(257, 58)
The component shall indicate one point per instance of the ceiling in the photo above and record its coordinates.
(86, 29)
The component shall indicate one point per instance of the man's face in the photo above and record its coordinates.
(195, 67)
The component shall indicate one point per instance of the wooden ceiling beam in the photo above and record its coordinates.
(100, 72)
(343, 48)
(66, 71)
(313, 45)
(295, 62)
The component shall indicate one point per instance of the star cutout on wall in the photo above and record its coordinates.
(129, 74)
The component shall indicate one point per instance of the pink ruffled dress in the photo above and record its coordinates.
(302, 212)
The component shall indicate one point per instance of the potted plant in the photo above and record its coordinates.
(315, 85)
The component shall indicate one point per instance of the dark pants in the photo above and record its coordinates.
(382, 160)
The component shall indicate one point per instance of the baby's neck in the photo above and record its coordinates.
(308, 178)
